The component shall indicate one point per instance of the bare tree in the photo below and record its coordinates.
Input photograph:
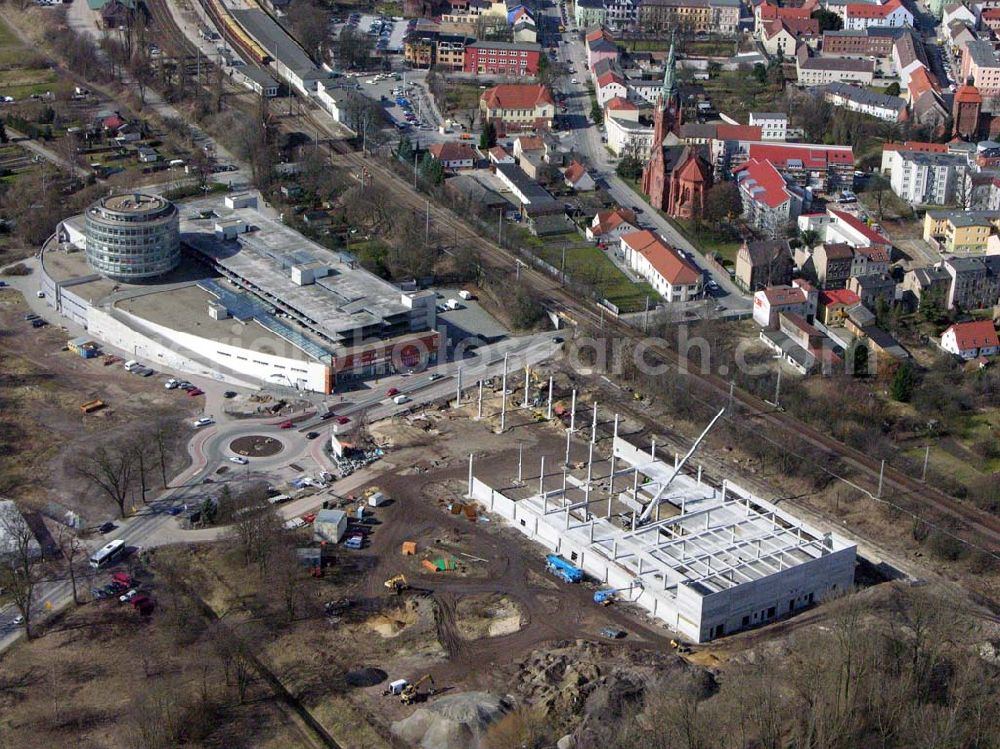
(144, 457)
(71, 550)
(20, 563)
(255, 530)
(112, 471)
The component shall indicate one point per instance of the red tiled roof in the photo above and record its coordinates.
(763, 183)
(451, 152)
(968, 94)
(916, 145)
(813, 157)
(574, 172)
(609, 78)
(665, 259)
(517, 96)
(782, 296)
(991, 14)
(874, 254)
(531, 142)
(838, 296)
(974, 334)
(113, 122)
(618, 103)
(768, 11)
(921, 81)
(611, 220)
(499, 153)
(864, 10)
(795, 26)
(726, 131)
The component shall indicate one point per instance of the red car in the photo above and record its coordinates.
(392, 391)
(196, 391)
(285, 425)
(343, 419)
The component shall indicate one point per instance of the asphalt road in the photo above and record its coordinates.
(585, 138)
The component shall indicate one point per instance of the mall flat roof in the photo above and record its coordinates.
(345, 301)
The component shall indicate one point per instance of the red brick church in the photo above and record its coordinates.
(676, 177)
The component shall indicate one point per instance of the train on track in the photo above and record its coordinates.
(234, 33)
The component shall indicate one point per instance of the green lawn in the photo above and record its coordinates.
(22, 83)
(588, 264)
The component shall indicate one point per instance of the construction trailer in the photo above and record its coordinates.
(706, 560)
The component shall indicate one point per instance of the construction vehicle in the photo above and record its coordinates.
(563, 569)
(397, 584)
(680, 647)
(411, 693)
(607, 597)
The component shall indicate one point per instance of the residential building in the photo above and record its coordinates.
(694, 16)
(516, 59)
(960, 231)
(991, 19)
(908, 55)
(575, 176)
(975, 281)
(601, 46)
(818, 71)
(500, 155)
(669, 272)
(800, 298)
(627, 136)
(833, 305)
(769, 203)
(588, 13)
(831, 265)
(515, 107)
(760, 264)
(609, 226)
(621, 15)
(860, 43)
(782, 36)
(927, 178)
(971, 340)
(858, 16)
(958, 12)
(610, 85)
(932, 281)
(870, 261)
(979, 62)
(824, 168)
(453, 155)
(870, 289)
(773, 125)
(765, 13)
(855, 99)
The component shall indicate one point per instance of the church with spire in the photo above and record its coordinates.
(676, 177)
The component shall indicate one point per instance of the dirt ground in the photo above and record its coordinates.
(43, 432)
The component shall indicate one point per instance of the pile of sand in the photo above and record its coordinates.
(457, 721)
(392, 623)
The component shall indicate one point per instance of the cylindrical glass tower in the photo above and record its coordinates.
(133, 237)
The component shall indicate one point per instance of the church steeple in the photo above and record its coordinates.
(669, 89)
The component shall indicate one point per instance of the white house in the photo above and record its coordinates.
(628, 137)
(971, 339)
(859, 16)
(610, 226)
(453, 155)
(667, 271)
(576, 177)
(773, 125)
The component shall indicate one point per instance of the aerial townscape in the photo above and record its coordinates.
(500, 374)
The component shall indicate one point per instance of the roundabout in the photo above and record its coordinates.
(256, 446)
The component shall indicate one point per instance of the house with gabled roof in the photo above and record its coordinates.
(970, 340)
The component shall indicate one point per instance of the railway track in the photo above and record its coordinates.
(171, 33)
(903, 491)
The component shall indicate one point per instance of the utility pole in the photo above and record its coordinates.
(562, 268)
(525, 386)
(645, 316)
(480, 410)
(548, 413)
(500, 226)
(427, 225)
(503, 396)
(927, 455)
(520, 455)
(415, 154)
(732, 388)
(881, 475)
(458, 389)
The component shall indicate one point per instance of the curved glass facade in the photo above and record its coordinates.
(133, 237)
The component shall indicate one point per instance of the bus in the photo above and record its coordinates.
(107, 553)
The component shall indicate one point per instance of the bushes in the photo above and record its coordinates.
(19, 269)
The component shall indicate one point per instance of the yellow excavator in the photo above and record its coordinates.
(397, 584)
(411, 694)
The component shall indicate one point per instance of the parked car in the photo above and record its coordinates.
(239, 460)
(391, 392)
(195, 391)
(286, 424)
(312, 435)
(343, 419)
(613, 634)
(128, 596)
(229, 394)
(107, 527)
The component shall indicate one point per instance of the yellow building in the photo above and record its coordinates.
(960, 231)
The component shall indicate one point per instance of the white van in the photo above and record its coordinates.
(465, 294)
(176, 162)
(399, 400)
(130, 365)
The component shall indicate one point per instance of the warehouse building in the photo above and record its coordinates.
(708, 560)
